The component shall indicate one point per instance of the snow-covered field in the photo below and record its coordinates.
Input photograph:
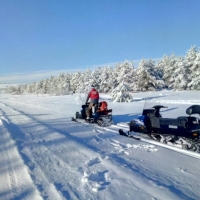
(44, 155)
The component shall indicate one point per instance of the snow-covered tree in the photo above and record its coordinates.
(167, 66)
(148, 78)
(180, 79)
(121, 93)
(124, 72)
(62, 84)
(192, 65)
(180, 73)
(12, 90)
(105, 80)
(76, 81)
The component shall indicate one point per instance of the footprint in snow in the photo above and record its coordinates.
(120, 146)
(149, 148)
(97, 180)
(94, 161)
(123, 147)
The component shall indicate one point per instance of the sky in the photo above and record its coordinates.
(69, 35)
(45, 155)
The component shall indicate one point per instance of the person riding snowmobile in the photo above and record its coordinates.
(93, 95)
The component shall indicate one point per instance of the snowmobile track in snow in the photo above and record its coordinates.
(45, 184)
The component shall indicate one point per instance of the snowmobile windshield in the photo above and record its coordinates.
(150, 103)
(152, 106)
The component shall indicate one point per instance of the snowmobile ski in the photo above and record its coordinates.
(121, 132)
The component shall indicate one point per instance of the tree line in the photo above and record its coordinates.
(170, 72)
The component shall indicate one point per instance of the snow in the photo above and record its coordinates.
(45, 155)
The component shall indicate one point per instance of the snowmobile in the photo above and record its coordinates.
(98, 116)
(183, 131)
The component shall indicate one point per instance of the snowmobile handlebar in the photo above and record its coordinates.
(159, 106)
(157, 110)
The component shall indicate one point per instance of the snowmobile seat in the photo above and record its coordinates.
(182, 121)
(168, 121)
(195, 109)
(187, 121)
(192, 121)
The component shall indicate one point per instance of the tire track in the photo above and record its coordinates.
(17, 182)
(47, 188)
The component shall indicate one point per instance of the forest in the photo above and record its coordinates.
(170, 72)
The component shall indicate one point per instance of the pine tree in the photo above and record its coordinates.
(180, 73)
(180, 79)
(121, 93)
(148, 78)
(105, 80)
(168, 65)
(194, 69)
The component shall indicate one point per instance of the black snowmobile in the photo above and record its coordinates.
(102, 118)
(184, 130)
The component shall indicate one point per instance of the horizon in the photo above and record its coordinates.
(26, 78)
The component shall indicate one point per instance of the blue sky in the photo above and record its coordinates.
(58, 35)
